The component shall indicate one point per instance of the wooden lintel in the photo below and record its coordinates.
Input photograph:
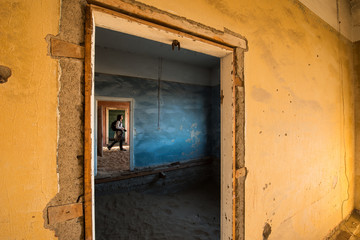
(64, 212)
(60, 48)
(157, 16)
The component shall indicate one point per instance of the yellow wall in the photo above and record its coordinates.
(28, 117)
(299, 114)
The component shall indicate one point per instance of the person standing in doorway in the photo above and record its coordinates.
(119, 131)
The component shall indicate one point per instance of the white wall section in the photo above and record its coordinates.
(328, 11)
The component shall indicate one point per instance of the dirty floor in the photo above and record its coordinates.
(349, 230)
(156, 214)
(113, 162)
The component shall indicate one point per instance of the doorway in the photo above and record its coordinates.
(111, 162)
(132, 26)
(176, 123)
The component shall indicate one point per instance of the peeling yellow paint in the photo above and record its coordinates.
(28, 103)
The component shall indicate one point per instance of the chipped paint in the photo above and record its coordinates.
(28, 99)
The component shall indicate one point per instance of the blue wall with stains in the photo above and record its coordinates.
(189, 118)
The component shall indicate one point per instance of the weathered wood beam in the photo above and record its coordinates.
(64, 212)
(151, 14)
(88, 168)
(60, 48)
(155, 171)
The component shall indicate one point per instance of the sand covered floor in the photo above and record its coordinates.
(113, 162)
(189, 214)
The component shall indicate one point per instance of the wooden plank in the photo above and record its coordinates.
(88, 204)
(60, 48)
(154, 15)
(64, 212)
(154, 171)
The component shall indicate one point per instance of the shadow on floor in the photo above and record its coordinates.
(193, 213)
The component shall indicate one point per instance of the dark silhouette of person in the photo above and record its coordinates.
(118, 136)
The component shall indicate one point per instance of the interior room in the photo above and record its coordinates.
(170, 100)
(289, 119)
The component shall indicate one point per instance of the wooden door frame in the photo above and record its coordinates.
(110, 105)
(130, 116)
(193, 36)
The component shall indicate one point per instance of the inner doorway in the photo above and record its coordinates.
(112, 161)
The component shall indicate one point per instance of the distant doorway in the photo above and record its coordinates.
(110, 162)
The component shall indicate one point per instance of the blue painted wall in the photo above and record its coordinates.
(188, 128)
